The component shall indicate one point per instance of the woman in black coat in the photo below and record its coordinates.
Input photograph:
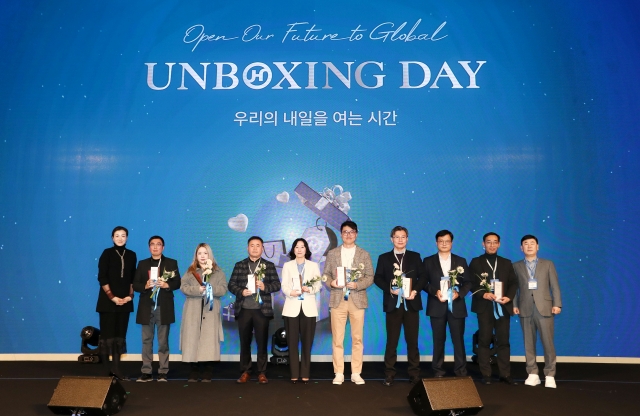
(116, 268)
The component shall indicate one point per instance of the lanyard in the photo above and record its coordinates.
(301, 273)
(493, 269)
(400, 261)
(159, 261)
(257, 265)
(531, 269)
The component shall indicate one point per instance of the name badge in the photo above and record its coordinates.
(533, 284)
(492, 283)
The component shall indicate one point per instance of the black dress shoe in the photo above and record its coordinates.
(388, 381)
(414, 380)
(438, 376)
(294, 381)
(508, 380)
(486, 380)
(305, 381)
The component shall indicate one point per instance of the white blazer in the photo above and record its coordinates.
(291, 281)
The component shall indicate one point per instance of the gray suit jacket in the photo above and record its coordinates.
(545, 297)
(359, 295)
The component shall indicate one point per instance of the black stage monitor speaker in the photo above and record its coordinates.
(87, 396)
(445, 396)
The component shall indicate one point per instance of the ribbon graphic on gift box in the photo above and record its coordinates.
(339, 199)
(325, 204)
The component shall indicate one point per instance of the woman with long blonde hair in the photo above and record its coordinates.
(201, 329)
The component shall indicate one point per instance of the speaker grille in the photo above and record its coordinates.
(82, 392)
(452, 393)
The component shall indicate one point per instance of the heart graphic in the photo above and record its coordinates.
(238, 223)
(283, 197)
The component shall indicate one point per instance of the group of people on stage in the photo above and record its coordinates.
(499, 288)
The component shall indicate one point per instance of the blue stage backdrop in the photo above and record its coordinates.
(210, 121)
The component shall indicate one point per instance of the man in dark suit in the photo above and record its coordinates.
(253, 311)
(494, 313)
(438, 308)
(156, 310)
(401, 311)
(537, 302)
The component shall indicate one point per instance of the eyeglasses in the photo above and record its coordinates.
(352, 232)
(491, 243)
(444, 242)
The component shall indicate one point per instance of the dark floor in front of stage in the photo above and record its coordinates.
(583, 389)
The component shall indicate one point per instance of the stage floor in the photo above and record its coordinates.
(583, 389)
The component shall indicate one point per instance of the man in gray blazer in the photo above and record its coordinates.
(537, 301)
(348, 301)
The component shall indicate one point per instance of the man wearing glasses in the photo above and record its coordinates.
(349, 273)
(449, 307)
(494, 307)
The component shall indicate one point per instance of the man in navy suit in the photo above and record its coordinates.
(401, 311)
(537, 302)
(442, 312)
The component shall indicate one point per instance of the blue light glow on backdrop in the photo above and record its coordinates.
(174, 117)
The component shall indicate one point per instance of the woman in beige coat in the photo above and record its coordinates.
(201, 329)
(300, 283)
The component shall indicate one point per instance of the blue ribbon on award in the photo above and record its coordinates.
(450, 297)
(400, 295)
(208, 295)
(155, 298)
(497, 310)
(259, 298)
(347, 279)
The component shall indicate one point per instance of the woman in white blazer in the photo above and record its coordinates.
(300, 279)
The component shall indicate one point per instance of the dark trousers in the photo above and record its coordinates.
(487, 323)
(252, 320)
(300, 328)
(439, 331)
(395, 320)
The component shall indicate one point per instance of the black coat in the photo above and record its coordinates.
(238, 283)
(165, 297)
(109, 273)
(439, 309)
(412, 268)
(505, 273)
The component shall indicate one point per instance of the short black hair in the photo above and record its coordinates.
(484, 237)
(254, 237)
(118, 228)
(157, 237)
(399, 228)
(350, 224)
(528, 237)
(442, 233)
(307, 254)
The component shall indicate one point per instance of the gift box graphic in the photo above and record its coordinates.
(329, 205)
(228, 313)
(273, 250)
(321, 239)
